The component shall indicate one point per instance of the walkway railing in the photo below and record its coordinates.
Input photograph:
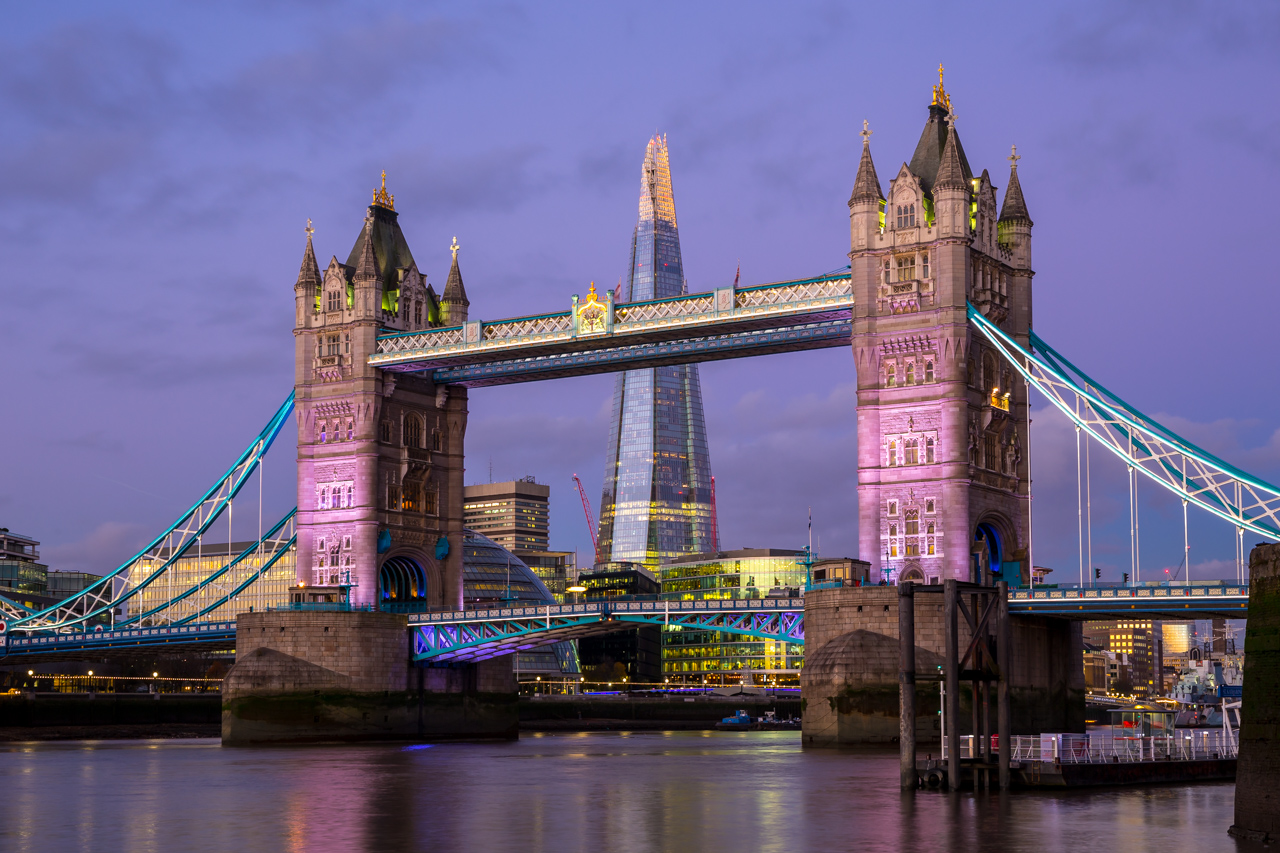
(1104, 748)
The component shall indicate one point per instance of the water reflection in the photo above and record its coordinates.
(691, 791)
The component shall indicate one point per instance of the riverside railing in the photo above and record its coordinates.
(1105, 748)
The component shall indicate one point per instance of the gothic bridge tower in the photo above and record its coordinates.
(379, 453)
(942, 464)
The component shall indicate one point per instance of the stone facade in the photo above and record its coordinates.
(849, 685)
(380, 455)
(942, 467)
(1257, 816)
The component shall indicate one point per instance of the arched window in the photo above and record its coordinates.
(412, 431)
(410, 500)
(417, 314)
(912, 452)
(893, 530)
(928, 506)
(435, 440)
(891, 376)
(432, 502)
(350, 428)
(893, 453)
(989, 380)
(929, 528)
(930, 546)
(351, 496)
(928, 371)
(911, 373)
(912, 518)
(924, 262)
(886, 270)
(384, 432)
(333, 300)
(323, 432)
(928, 452)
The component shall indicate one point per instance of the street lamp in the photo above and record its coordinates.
(577, 590)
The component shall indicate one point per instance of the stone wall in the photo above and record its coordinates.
(849, 684)
(1258, 774)
(310, 676)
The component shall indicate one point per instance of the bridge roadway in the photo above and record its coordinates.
(597, 336)
(479, 634)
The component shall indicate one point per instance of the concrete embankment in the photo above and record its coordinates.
(604, 713)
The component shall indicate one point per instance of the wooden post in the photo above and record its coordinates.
(1004, 643)
(907, 684)
(952, 666)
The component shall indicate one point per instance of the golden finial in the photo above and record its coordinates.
(591, 294)
(454, 247)
(1015, 157)
(940, 96)
(309, 229)
(381, 197)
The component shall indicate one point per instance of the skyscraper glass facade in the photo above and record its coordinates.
(656, 503)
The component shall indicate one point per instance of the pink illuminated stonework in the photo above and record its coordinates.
(942, 468)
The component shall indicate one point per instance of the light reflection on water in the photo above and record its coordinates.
(603, 791)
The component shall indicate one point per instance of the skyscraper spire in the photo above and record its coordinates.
(866, 186)
(1014, 207)
(657, 485)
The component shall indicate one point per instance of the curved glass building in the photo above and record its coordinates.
(656, 503)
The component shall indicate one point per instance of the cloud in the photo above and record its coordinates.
(101, 551)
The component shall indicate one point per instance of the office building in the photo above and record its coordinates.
(656, 503)
(514, 514)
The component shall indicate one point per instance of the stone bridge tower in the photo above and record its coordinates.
(379, 453)
(942, 420)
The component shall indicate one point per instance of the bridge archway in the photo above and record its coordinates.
(403, 578)
(994, 542)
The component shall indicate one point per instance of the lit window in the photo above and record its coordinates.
(906, 267)
(893, 460)
(913, 548)
(911, 373)
(930, 544)
(891, 376)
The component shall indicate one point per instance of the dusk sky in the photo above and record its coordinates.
(158, 168)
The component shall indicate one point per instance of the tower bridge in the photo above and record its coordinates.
(934, 303)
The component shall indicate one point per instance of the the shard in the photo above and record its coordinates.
(657, 501)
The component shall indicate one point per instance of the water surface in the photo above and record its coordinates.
(602, 791)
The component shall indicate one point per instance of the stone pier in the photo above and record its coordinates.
(849, 684)
(314, 676)
(1258, 769)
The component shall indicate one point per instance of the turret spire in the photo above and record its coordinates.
(951, 174)
(866, 186)
(309, 274)
(454, 302)
(367, 265)
(1014, 207)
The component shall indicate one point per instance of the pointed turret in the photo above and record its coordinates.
(951, 172)
(366, 262)
(866, 186)
(927, 159)
(1014, 207)
(309, 274)
(454, 304)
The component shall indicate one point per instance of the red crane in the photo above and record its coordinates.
(591, 523)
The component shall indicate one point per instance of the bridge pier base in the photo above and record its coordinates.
(316, 676)
(1257, 816)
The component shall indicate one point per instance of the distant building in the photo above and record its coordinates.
(1176, 637)
(557, 569)
(637, 651)
(1139, 642)
(689, 656)
(514, 514)
(213, 601)
(20, 570)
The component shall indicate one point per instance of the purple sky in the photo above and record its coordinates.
(158, 168)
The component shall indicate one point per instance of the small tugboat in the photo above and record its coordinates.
(740, 722)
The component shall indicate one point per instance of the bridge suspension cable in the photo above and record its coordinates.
(1153, 450)
(144, 570)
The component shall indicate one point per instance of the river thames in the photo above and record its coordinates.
(601, 791)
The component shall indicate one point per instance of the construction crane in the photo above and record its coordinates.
(591, 523)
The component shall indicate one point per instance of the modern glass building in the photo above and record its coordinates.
(690, 656)
(656, 503)
(271, 590)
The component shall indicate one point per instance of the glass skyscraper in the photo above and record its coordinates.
(657, 483)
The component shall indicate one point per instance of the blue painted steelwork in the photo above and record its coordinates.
(101, 599)
(206, 635)
(1160, 454)
(819, 335)
(471, 635)
(1169, 602)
